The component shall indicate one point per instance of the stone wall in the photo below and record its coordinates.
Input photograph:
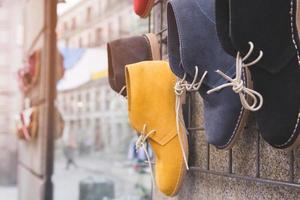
(252, 170)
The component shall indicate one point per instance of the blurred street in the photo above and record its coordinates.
(90, 122)
(67, 182)
(98, 167)
(9, 193)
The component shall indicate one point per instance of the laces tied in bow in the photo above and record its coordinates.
(238, 85)
(181, 87)
(141, 144)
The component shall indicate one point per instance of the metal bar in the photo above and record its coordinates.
(258, 156)
(149, 23)
(196, 129)
(248, 178)
(162, 31)
(208, 157)
(159, 1)
(161, 26)
(230, 161)
(292, 166)
(50, 85)
(189, 110)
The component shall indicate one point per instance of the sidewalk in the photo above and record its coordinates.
(97, 167)
(66, 182)
(9, 193)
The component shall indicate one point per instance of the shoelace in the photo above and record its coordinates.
(141, 143)
(237, 83)
(119, 94)
(122, 90)
(181, 87)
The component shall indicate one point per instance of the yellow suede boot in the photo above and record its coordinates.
(152, 105)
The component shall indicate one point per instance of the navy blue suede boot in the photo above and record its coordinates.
(195, 54)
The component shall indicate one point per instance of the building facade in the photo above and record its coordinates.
(93, 23)
(10, 60)
(96, 116)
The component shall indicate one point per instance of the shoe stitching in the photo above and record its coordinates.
(292, 11)
(292, 136)
(235, 129)
(238, 121)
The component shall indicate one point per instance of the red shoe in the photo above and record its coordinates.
(143, 7)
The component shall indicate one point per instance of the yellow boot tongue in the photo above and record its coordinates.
(151, 99)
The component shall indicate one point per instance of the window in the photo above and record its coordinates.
(111, 31)
(66, 27)
(90, 40)
(80, 42)
(88, 102)
(99, 38)
(73, 23)
(98, 100)
(88, 14)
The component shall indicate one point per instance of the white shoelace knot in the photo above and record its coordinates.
(238, 85)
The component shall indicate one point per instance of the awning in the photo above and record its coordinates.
(91, 65)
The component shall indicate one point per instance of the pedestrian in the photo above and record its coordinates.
(70, 146)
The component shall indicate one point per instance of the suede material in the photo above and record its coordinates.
(189, 45)
(278, 117)
(193, 40)
(271, 19)
(122, 52)
(277, 75)
(223, 27)
(222, 112)
(148, 96)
